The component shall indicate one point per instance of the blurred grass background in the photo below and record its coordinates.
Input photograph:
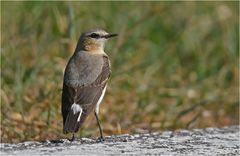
(174, 65)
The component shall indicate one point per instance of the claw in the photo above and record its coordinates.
(100, 139)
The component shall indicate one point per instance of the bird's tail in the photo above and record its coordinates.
(72, 122)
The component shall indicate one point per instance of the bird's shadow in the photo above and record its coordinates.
(62, 141)
(56, 141)
(53, 141)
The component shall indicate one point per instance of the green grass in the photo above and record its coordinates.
(174, 65)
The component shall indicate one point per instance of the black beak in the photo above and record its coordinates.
(110, 35)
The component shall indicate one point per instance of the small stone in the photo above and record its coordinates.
(87, 139)
(136, 135)
(125, 140)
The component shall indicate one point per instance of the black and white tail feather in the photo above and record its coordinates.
(73, 119)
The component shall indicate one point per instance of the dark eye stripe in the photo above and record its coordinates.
(94, 35)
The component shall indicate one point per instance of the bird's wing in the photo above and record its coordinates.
(86, 96)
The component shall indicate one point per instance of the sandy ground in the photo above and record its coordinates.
(209, 141)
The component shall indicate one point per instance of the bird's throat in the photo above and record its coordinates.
(92, 47)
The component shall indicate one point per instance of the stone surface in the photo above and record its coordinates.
(209, 141)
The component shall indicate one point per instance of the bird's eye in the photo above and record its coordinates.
(94, 35)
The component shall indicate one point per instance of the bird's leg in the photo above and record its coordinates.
(73, 137)
(100, 129)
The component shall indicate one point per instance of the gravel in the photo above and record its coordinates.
(209, 141)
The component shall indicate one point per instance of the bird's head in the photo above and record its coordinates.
(93, 40)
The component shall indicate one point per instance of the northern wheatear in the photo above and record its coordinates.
(85, 80)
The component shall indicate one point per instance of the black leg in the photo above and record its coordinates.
(73, 138)
(99, 126)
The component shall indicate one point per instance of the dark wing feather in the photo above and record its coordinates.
(86, 96)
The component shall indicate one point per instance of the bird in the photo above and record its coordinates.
(85, 81)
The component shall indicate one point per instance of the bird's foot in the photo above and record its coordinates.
(73, 138)
(100, 139)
